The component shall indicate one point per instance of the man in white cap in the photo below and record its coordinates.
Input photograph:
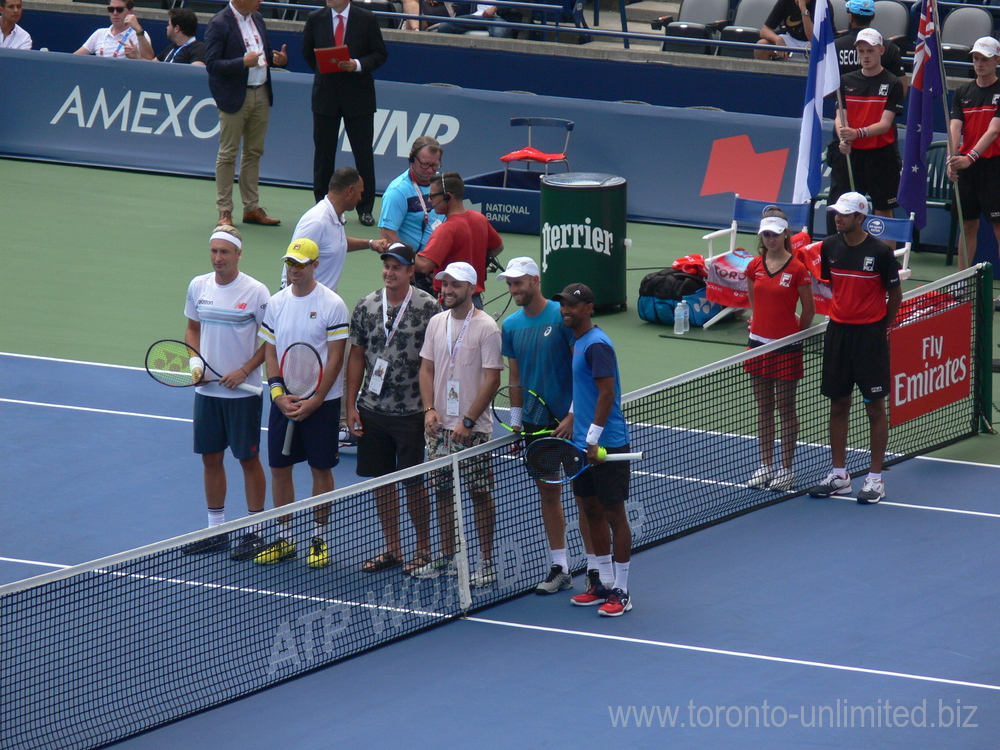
(873, 98)
(459, 376)
(975, 122)
(539, 351)
(224, 309)
(860, 15)
(864, 275)
(306, 311)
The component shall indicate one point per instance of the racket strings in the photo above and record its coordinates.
(533, 411)
(545, 459)
(301, 371)
(170, 362)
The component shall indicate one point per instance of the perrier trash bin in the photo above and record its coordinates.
(582, 218)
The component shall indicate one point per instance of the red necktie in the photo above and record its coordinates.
(338, 33)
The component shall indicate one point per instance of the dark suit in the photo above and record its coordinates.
(224, 51)
(343, 95)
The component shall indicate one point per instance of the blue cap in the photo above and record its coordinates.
(861, 7)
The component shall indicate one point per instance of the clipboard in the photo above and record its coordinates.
(328, 58)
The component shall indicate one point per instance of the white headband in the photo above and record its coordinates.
(227, 237)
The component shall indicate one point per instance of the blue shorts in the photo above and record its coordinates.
(221, 423)
(316, 439)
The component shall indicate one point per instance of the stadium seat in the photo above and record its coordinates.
(899, 231)
(960, 30)
(940, 193)
(700, 19)
(841, 20)
(892, 19)
(529, 153)
(750, 17)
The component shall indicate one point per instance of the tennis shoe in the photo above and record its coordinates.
(275, 552)
(346, 440)
(319, 554)
(760, 479)
(784, 480)
(555, 581)
(596, 593)
(217, 543)
(443, 566)
(249, 546)
(485, 575)
(618, 603)
(872, 492)
(832, 485)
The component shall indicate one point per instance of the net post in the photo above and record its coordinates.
(984, 338)
(462, 553)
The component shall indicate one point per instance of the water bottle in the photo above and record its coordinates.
(681, 317)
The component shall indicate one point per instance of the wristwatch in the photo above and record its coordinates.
(468, 423)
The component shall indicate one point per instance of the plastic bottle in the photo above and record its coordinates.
(682, 313)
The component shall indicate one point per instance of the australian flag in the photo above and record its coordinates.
(924, 91)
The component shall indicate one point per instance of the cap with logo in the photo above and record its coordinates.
(850, 203)
(459, 271)
(401, 251)
(302, 251)
(861, 7)
(575, 294)
(987, 46)
(870, 36)
(518, 267)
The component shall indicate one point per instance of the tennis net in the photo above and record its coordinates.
(98, 652)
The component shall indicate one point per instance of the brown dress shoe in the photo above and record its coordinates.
(225, 217)
(259, 216)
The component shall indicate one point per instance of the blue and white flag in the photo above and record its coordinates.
(824, 79)
(924, 92)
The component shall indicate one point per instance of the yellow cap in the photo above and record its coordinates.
(302, 251)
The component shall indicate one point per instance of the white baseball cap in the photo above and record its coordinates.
(459, 271)
(774, 224)
(518, 267)
(869, 35)
(850, 203)
(987, 46)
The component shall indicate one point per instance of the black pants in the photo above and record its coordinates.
(326, 135)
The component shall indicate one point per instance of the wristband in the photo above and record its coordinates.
(973, 155)
(429, 408)
(276, 391)
(276, 386)
(570, 411)
(516, 415)
(594, 434)
(196, 363)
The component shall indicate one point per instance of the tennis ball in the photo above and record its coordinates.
(602, 453)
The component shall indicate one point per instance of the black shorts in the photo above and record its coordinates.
(608, 482)
(390, 443)
(876, 173)
(979, 190)
(856, 355)
(529, 439)
(316, 439)
(221, 423)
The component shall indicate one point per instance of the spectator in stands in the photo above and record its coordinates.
(12, 36)
(239, 59)
(184, 48)
(975, 121)
(486, 12)
(124, 38)
(425, 8)
(867, 134)
(789, 25)
(406, 210)
(861, 14)
(466, 236)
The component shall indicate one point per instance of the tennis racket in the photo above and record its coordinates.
(178, 365)
(302, 370)
(556, 461)
(522, 410)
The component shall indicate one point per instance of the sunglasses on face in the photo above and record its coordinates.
(117, 9)
(298, 266)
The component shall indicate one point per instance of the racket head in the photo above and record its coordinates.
(301, 369)
(169, 362)
(554, 461)
(535, 416)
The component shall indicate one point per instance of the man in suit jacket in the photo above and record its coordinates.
(348, 94)
(239, 59)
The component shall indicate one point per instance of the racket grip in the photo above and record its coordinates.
(250, 389)
(286, 449)
(624, 456)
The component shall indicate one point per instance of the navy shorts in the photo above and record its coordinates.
(855, 355)
(608, 482)
(390, 443)
(316, 439)
(221, 423)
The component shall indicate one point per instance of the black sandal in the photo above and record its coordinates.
(382, 561)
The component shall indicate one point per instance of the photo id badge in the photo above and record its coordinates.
(378, 376)
(454, 390)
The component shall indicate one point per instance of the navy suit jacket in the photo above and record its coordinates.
(224, 51)
(343, 93)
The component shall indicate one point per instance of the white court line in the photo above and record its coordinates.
(35, 562)
(96, 411)
(927, 507)
(71, 361)
(740, 654)
(958, 461)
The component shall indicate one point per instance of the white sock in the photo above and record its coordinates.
(319, 531)
(216, 516)
(842, 473)
(621, 576)
(591, 562)
(255, 528)
(873, 475)
(559, 558)
(606, 569)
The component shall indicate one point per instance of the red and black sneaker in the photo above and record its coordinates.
(618, 603)
(596, 592)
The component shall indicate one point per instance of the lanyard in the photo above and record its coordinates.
(389, 333)
(121, 44)
(173, 53)
(454, 347)
(427, 211)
